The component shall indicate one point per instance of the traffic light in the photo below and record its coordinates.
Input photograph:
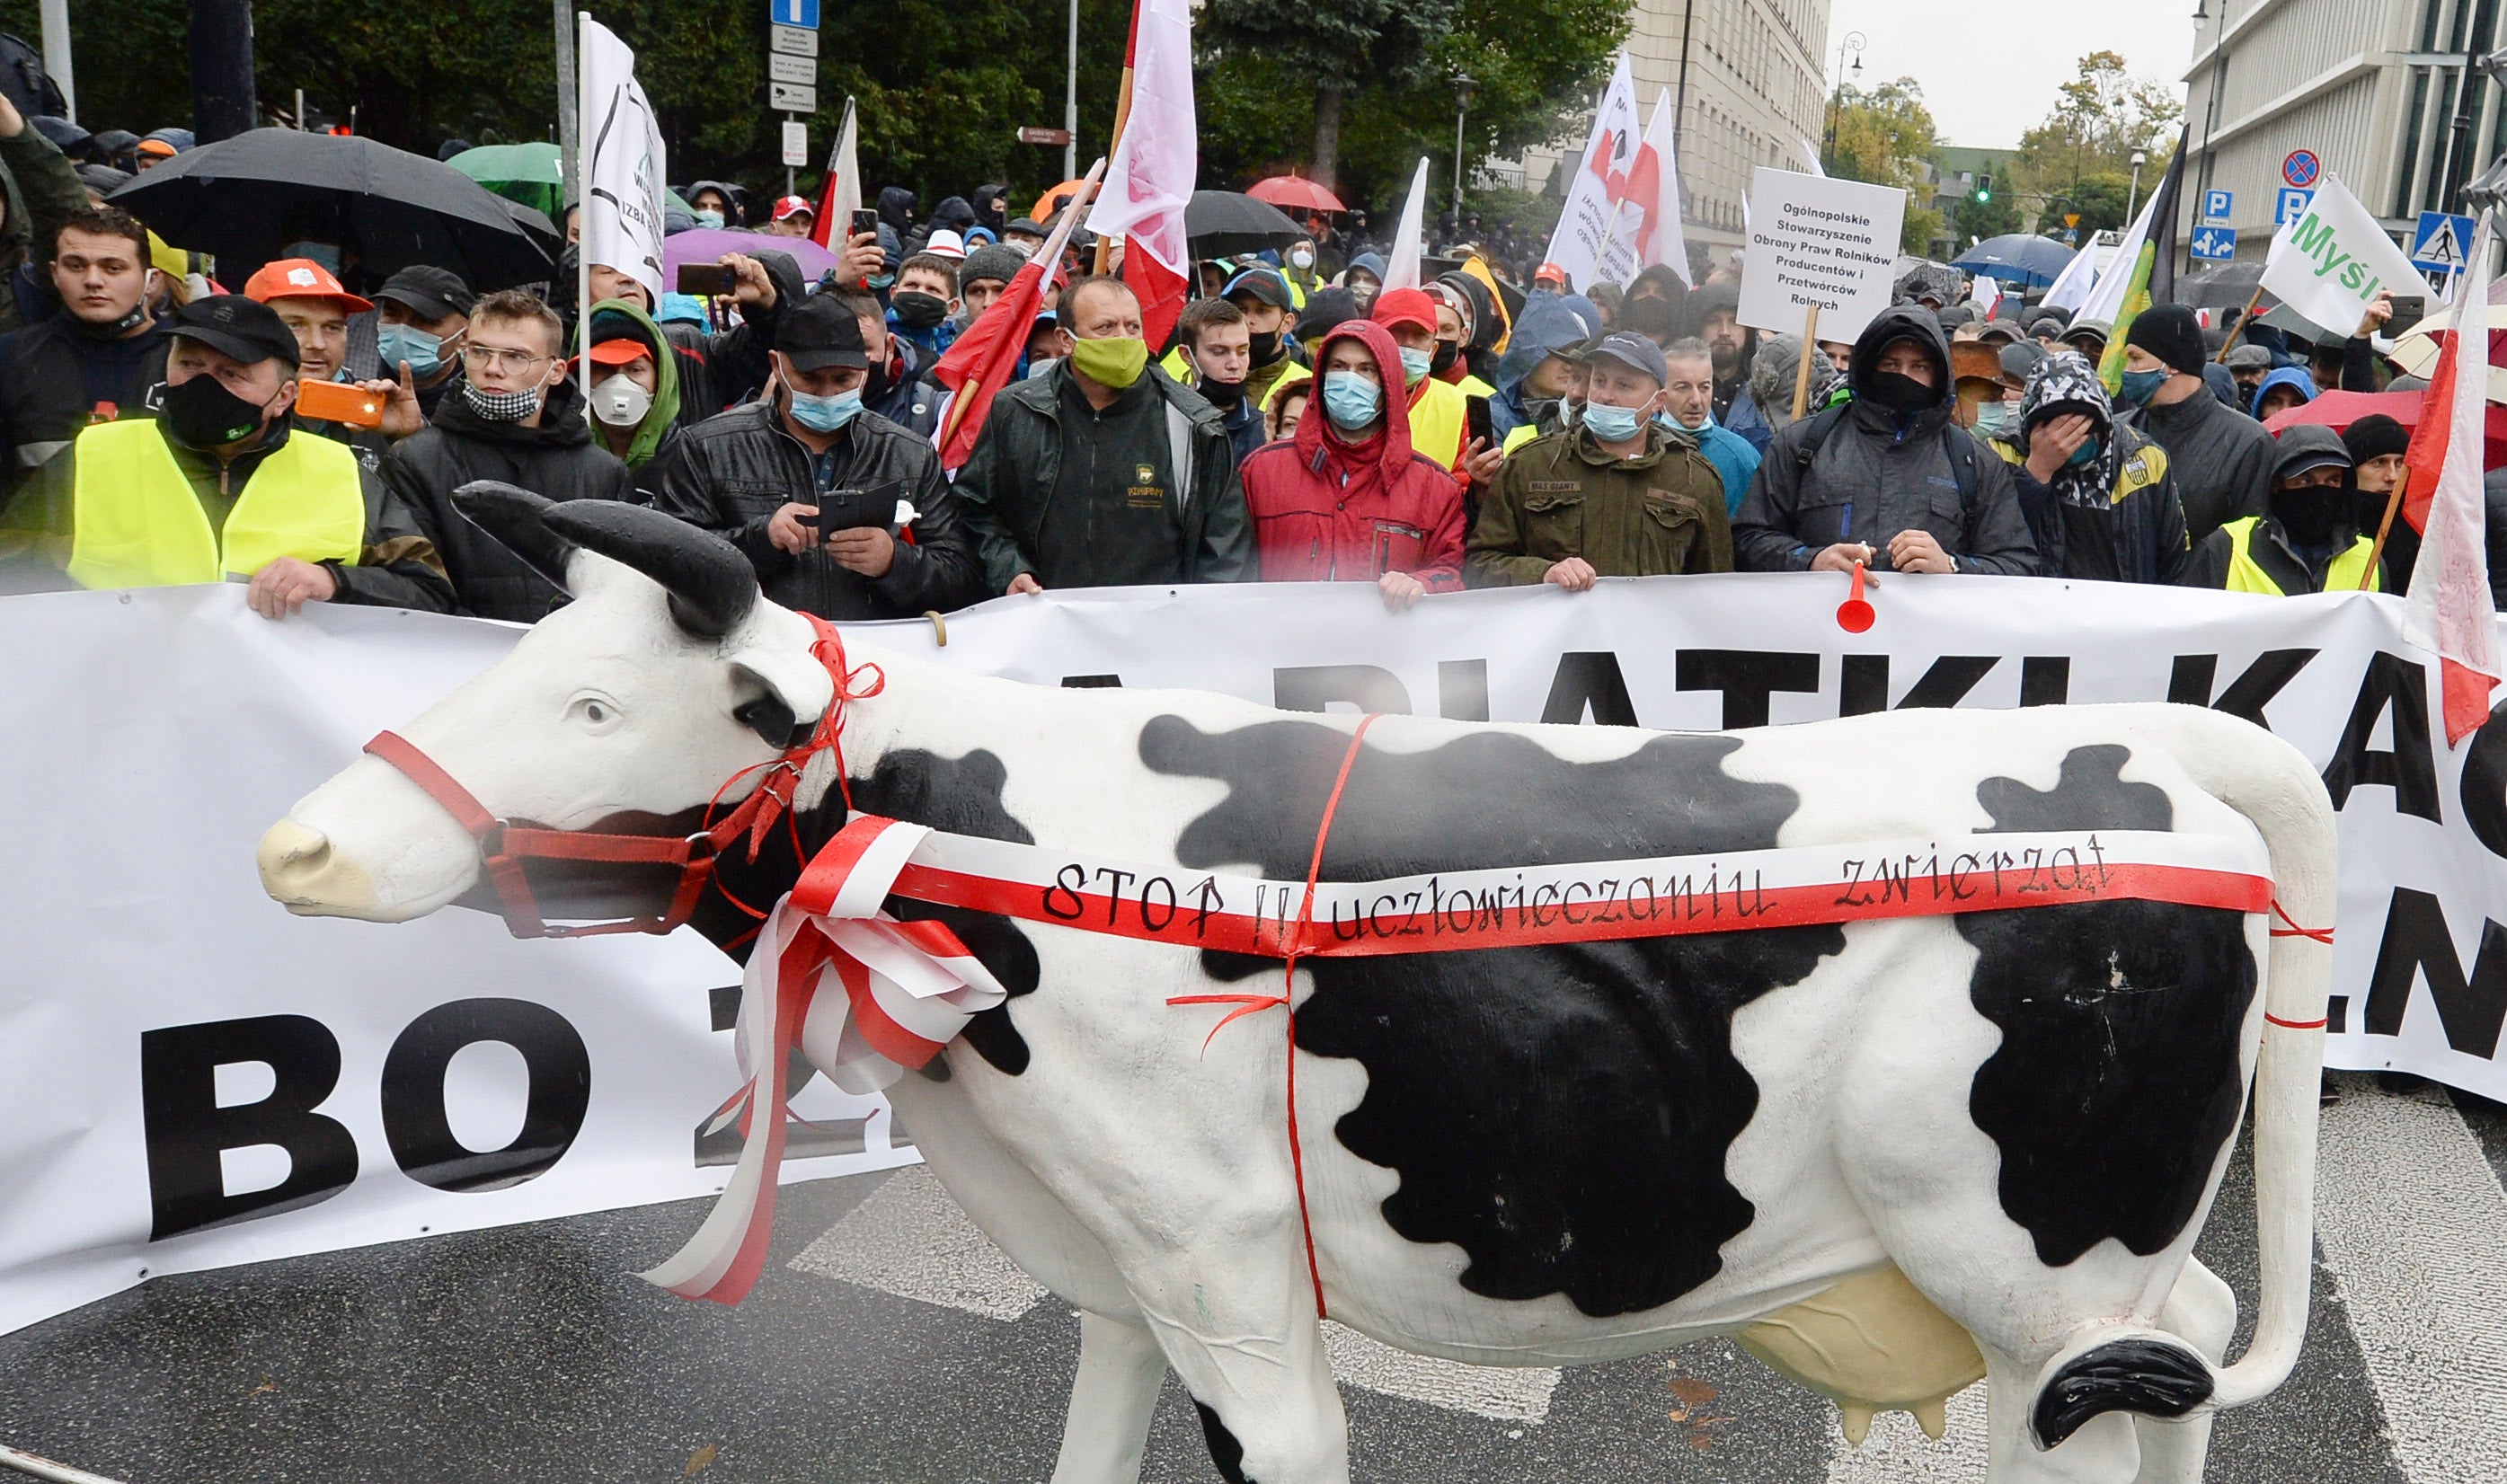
(1984, 188)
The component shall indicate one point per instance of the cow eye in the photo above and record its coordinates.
(594, 711)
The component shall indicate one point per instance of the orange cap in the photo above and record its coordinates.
(300, 278)
(620, 352)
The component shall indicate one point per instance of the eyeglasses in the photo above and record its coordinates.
(494, 358)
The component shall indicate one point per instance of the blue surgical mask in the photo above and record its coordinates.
(826, 414)
(1612, 424)
(709, 218)
(395, 343)
(2140, 386)
(1994, 418)
(322, 253)
(1352, 400)
(1414, 365)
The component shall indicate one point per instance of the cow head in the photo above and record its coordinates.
(665, 676)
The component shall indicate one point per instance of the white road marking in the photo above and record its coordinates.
(909, 1240)
(2411, 1217)
(1899, 1453)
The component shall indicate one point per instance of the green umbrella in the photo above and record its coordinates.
(529, 173)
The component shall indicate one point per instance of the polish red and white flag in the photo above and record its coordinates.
(1149, 180)
(2449, 609)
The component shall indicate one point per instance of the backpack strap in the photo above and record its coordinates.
(1960, 445)
(1822, 423)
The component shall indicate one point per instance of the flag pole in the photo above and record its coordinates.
(2239, 328)
(1123, 119)
(1801, 371)
(583, 132)
(1047, 260)
(2394, 503)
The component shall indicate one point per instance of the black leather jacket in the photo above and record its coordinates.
(730, 474)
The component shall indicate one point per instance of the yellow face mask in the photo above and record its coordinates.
(1116, 360)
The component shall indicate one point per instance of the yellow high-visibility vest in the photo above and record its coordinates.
(2348, 573)
(139, 525)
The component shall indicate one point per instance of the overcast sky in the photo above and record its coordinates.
(1989, 71)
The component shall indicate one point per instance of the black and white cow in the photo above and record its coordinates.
(1891, 1156)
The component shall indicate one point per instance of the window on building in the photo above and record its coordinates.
(2412, 132)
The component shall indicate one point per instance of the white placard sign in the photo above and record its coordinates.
(1814, 239)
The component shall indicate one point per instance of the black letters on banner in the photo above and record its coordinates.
(1591, 677)
(415, 1120)
(2418, 944)
(1745, 677)
(2189, 682)
(186, 1130)
(2483, 789)
(1314, 687)
(2393, 685)
(1863, 687)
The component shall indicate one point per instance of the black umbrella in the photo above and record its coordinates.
(1224, 223)
(2228, 286)
(246, 199)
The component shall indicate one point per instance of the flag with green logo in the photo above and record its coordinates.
(2152, 272)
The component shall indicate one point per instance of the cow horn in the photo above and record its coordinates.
(712, 586)
(519, 519)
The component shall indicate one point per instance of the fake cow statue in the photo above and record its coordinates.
(1908, 1049)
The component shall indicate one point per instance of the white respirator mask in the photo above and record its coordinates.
(620, 402)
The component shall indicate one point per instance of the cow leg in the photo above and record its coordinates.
(1243, 1337)
(1111, 1399)
(2203, 1310)
(2105, 1450)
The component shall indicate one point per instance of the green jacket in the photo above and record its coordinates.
(1656, 512)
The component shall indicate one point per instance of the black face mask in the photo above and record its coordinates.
(1447, 352)
(1221, 394)
(201, 413)
(1540, 411)
(875, 384)
(918, 310)
(115, 329)
(1265, 347)
(1898, 393)
(2308, 514)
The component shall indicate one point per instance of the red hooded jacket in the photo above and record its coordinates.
(1326, 510)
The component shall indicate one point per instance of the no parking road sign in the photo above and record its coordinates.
(2301, 169)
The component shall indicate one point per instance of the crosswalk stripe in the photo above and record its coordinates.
(2410, 1215)
(909, 1240)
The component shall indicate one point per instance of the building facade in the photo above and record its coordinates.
(2372, 86)
(1755, 93)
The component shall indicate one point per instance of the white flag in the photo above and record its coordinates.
(1645, 226)
(623, 164)
(2329, 263)
(842, 195)
(2447, 610)
(1401, 268)
(2071, 287)
(1812, 156)
(1148, 181)
(1600, 183)
(2105, 298)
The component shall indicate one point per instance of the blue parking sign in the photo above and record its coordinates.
(2217, 205)
(800, 13)
(2214, 245)
(2292, 206)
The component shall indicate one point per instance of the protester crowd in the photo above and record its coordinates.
(165, 422)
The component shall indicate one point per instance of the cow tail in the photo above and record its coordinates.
(2275, 786)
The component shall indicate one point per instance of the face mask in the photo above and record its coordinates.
(1351, 400)
(320, 252)
(1612, 424)
(826, 414)
(201, 413)
(709, 218)
(2139, 386)
(501, 406)
(1221, 394)
(1447, 352)
(1539, 410)
(396, 343)
(916, 311)
(875, 382)
(1414, 366)
(1301, 257)
(2083, 455)
(2309, 513)
(1115, 360)
(1265, 347)
(620, 402)
(1900, 393)
(1994, 418)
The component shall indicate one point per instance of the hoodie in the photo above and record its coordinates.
(985, 216)
(1549, 323)
(660, 418)
(2295, 377)
(1875, 473)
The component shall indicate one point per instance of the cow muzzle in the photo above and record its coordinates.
(366, 844)
(303, 874)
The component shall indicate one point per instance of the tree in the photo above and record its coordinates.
(1886, 137)
(1328, 52)
(2100, 117)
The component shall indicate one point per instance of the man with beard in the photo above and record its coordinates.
(1715, 317)
(2306, 540)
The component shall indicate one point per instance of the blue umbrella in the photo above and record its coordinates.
(2017, 258)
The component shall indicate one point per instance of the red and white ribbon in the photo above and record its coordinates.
(900, 993)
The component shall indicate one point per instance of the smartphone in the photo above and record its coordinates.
(865, 220)
(1476, 410)
(706, 280)
(856, 509)
(2409, 309)
(338, 402)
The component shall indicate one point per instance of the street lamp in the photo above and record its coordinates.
(1853, 45)
(2132, 197)
(1464, 82)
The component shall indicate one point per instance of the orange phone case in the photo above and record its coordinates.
(338, 402)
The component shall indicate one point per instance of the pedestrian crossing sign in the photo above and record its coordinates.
(2441, 242)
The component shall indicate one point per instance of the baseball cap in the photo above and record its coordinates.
(618, 339)
(300, 278)
(1263, 283)
(154, 149)
(431, 293)
(1634, 351)
(820, 333)
(945, 244)
(231, 324)
(2006, 331)
(791, 206)
(2021, 361)
(1550, 273)
(1405, 306)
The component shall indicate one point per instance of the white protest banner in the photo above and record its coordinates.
(2330, 263)
(177, 1051)
(623, 163)
(1815, 241)
(1600, 183)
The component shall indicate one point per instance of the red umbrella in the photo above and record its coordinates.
(2338, 410)
(1295, 192)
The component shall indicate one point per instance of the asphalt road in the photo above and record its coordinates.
(888, 1344)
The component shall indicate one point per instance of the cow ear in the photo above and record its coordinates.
(781, 697)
